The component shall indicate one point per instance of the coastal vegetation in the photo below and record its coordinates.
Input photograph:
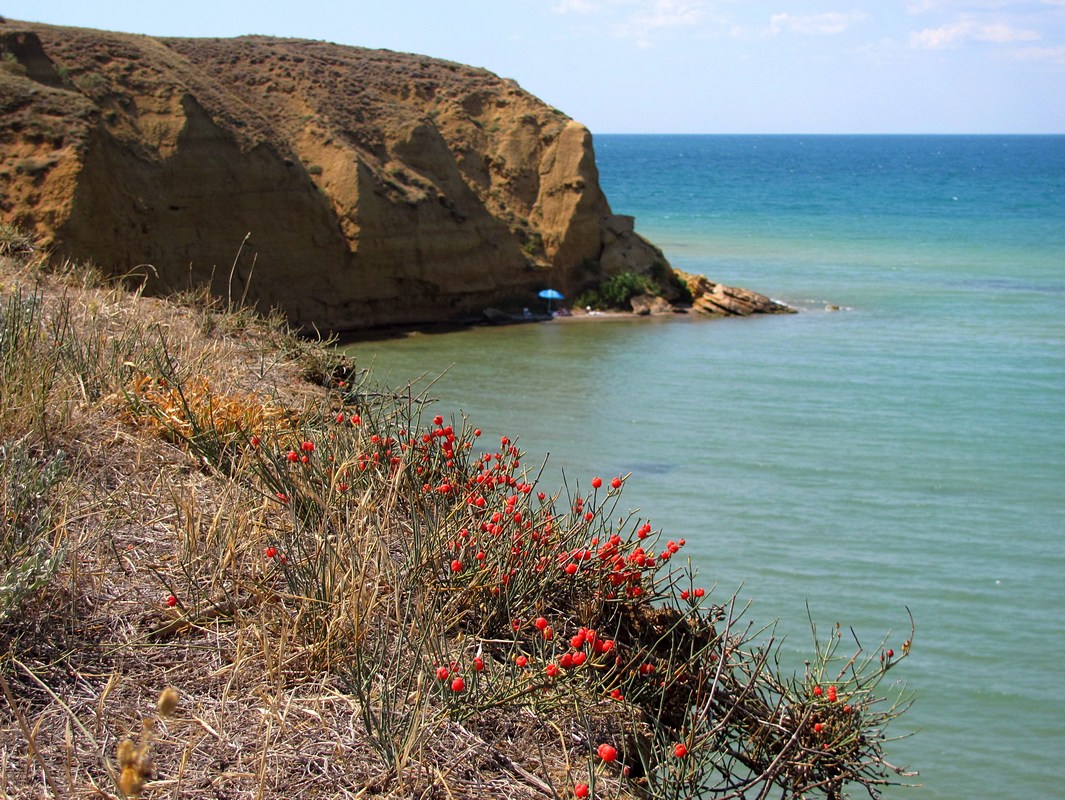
(617, 291)
(232, 563)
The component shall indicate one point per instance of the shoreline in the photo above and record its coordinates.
(432, 328)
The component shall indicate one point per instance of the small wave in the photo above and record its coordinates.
(653, 468)
(1007, 285)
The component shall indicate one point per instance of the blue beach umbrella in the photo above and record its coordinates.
(549, 295)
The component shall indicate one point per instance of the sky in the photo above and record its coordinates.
(687, 66)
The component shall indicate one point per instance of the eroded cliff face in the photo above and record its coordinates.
(377, 187)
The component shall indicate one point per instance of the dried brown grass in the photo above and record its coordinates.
(142, 519)
(192, 481)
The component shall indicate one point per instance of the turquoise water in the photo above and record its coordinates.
(907, 451)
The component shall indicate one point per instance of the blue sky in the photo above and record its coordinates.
(689, 66)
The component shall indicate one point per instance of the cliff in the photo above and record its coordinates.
(350, 188)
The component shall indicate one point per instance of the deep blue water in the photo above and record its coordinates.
(907, 451)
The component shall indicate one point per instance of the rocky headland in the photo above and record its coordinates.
(349, 188)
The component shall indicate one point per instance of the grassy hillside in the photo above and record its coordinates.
(345, 591)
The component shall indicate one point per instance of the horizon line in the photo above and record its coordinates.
(821, 133)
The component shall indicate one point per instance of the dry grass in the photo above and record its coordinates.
(242, 516)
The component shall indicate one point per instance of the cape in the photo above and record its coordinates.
(349, 188)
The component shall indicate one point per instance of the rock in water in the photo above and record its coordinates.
(717, 299)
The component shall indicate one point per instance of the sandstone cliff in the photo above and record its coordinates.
(377, 187)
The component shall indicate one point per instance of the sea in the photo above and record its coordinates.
(896, 448)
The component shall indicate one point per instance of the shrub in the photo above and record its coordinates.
(616, 292)
(11, 65)
(28, 500)
(670, 284)
(439, 583)
(16, 242)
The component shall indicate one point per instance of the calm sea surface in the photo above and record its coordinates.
(906, 451)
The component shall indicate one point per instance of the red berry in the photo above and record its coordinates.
(456, 566)
(551, 670)
(293, 456)
(607, 752)
(521, 661)
(818, 727)
(616, 483)
(442, 673)
(699, 592)
(437, 420)
(171, 601)
(597, 482)
(540, 623)
(271, 552)
(818, 691)
(458, 685)
(307, 447)
(580, 790)
(478, 664)
(890, 653)
(680, 750)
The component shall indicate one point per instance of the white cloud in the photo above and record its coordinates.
(668, 14)
(660, 13)
(828, 23)
(956, 33)
(576, 6)
(1001, 32)
(639, 20)
(1053, 55)
(924, 6)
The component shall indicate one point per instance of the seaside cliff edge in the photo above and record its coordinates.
(348, 188)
